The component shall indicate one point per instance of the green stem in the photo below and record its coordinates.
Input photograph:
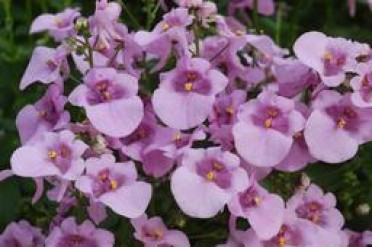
(195, 28)
(130, 15)
(90, 52)
(279, 19)
(256, 20)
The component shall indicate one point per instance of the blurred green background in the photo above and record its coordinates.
(351, 182)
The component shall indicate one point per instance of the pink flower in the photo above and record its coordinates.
(56, 154)
(336, 127)
(47, 65)
(263, 210)
(186, 94)
(48, 114)
(70, 234)
(153, 233)
(110, 100)
(362, 86)
(59, 26)
(206, 181)
(115, 185)
(330, 57)
(263, 133)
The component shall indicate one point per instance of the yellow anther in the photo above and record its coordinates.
(113, 184)
(327, 56)
(230, 109)
(217, 166)
(315, 218)
(177, 136)
(257, 200)
(188, 86)
(211, 176)
(165, 26)
(106, 95)
(281, 242)
(268, 123)
(52, 154)
(159, 234)
(341, 123)
(239, 32)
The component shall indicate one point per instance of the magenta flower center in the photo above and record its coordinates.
(107, 181)
(104, 91)
(76, 240)
(61, 157)
(285, 237)
(250, 198)
(271, 117)
(224, 112)
(334, 61)
(216, 172)
(192, 81)
(143, 132)
(345, 117)
(52, 65)
(47, 110)
(312, 211)
(153, 234)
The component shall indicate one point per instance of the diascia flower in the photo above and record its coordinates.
(330, 57)
(186, 94)
(336, 127)
(315, 206)
(56, 154)
(47, 114)
(264, 211)
(21, 234)
(206, 181)
(115, 185)
(70, 234)
(59, 26)
(152, 232)
(362, 86)
(110, 100)
(47, 65)
(263, 133)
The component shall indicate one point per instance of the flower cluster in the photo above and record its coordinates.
(198, 102)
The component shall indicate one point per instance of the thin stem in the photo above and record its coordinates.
(279, 18)
(195, 28)
(130, 15)
(219, 53)
(256, 20)
(90, 52)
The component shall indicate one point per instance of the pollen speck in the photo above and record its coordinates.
(341, 123)
(211, 176)
(113, 184)
(230, 110)
(52, 154)
(188, 86)
(268, 123)
(165, 26)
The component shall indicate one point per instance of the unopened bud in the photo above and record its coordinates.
(81, 24)
(363, 209)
